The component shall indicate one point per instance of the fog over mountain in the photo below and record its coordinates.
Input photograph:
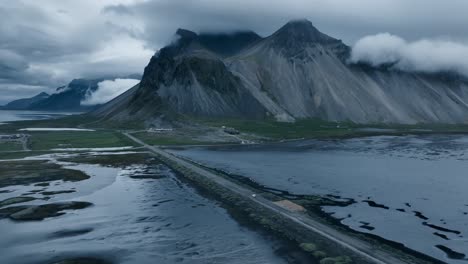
(108, 90)
(426, 55)
(45, 44)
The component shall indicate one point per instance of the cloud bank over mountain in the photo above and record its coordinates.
(108, 90)
(47, 43)
(426, 55)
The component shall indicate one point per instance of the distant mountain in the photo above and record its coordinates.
(26, 103)
(65, 98)
(297, 72)
(68, 98)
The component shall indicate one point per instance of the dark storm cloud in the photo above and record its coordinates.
(49, 42)
(427, 36)
(15, 67)
(344, 19)
(45, 44)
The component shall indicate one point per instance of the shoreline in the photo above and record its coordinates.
(317, 213)
(313, 209)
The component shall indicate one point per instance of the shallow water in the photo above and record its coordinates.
(411, 189)
(10, 115)
(134, 221)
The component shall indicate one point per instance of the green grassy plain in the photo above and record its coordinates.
(108, 134)
(306, 128)
(78, 139)
(314, 128)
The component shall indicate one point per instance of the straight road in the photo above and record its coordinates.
(359, 247)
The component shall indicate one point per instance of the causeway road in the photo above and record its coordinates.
(361, 248)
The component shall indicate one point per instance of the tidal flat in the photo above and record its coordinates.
(119, 207)
(408, 190)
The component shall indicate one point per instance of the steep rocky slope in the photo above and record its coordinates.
(112, 108)
(297, 72)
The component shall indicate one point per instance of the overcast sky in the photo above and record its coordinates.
(46, 43)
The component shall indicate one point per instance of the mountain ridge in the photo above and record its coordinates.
(21, 104)
(65, 98)
(297, 72)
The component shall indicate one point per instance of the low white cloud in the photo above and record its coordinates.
(108, 90)
(427, 55)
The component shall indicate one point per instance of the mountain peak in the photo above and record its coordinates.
(186, 34)
(228, 43)
(42, 94)
(300, 23)
(222, 43)
(301, 31)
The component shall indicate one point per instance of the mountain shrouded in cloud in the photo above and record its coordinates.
(45, 44)
(429, 56)
(79, 95)
(108, 90)
(296, 73)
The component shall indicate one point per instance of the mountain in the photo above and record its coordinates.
(65, 98)
(111, 109)
(68, 98)
(298, 72)
(25, 103)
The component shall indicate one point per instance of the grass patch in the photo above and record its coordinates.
(315, 128)
(122, 125)
(167, 139)
(21, 154)
(10, 146)
(78, 139)
(306, 128)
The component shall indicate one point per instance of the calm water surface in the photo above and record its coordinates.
(134, 221)
(8, 116)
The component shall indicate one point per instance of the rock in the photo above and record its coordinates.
(42, 184)
(148, 176)
(83, 260)
(48, 193)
